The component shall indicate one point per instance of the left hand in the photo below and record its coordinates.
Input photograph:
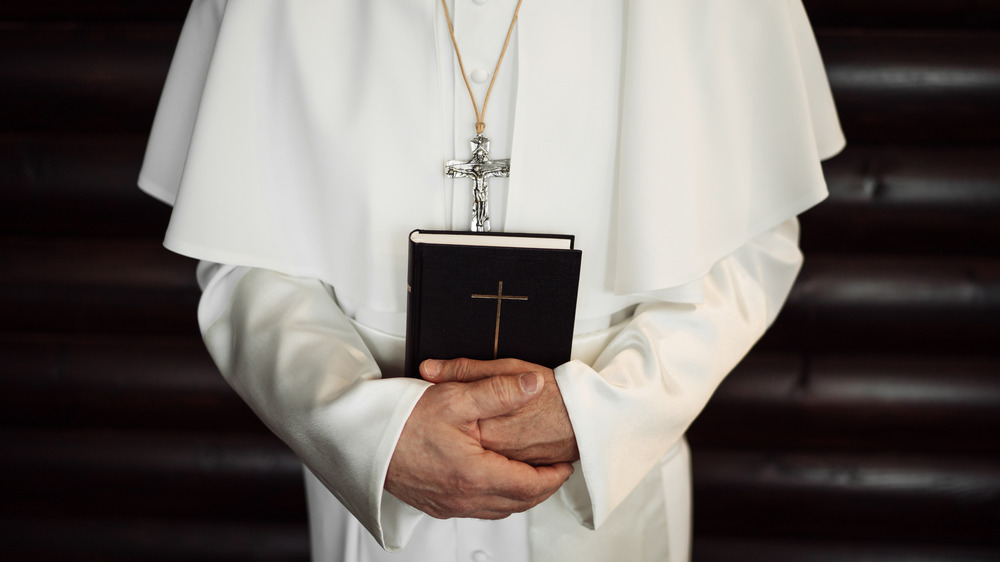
(538, 433)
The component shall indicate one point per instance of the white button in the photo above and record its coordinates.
(480, 76)
(480, 556)
(480, 2)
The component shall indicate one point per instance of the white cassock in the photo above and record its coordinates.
(301, 141)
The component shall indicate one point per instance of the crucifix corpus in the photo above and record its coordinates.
(480, 169)
(499, 297)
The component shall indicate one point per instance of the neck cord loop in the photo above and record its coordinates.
(480, 113)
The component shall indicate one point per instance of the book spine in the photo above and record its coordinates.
(414, 259)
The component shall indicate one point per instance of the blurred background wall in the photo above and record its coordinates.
(865, 426)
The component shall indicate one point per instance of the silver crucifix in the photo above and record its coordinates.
(480, 168)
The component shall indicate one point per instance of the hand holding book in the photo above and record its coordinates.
(507, 442)
(537, 433)
(440, 466)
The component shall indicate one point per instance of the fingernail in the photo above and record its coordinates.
(432, 367)
(529, 382)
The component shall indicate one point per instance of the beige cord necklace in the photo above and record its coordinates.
(479, 168)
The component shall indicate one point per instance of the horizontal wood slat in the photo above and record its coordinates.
(863, 428)
(823, 13)
(908, 176)
(713, 549)
(123, 381)
(914, 86)
(848, 496)
(914, 200)
(891, 304)
(95, 286)
(94, 11)
(76, 185)
(971, 14)
(87, 165)
(869, 303)
(818, 495)
(874, 403)
(89, 539)
(83, 78)
(150, 474)
(770, 401)
(881, 197)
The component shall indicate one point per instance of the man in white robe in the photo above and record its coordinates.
(300, 142)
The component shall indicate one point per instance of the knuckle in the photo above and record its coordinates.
(462, 367)
(511, 365)
(437, 507)
(464, 400)
(527, 493)
(462, 507)
(525, 505)
(502, 390)
(523, 495)
(463, 486)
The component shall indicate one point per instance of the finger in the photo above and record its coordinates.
(525, 485)
(468, 370)
(489, 486)
(515, 487)
(499, 395)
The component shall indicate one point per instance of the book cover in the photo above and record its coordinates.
(489, 296)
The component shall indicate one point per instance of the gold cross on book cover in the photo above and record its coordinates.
(499, 297)
(450, 271)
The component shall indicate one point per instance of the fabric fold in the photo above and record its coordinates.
(718, 111)
(726, 114)
(653, 379)
(294, 357)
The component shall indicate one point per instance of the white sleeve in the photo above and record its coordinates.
(292, 354)
(655, 377)
(289, 351)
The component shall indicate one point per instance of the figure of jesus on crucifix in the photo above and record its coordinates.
(480, 168)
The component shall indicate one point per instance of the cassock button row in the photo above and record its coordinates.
(481, 556)
(480, 76)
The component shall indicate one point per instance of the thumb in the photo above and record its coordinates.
(496, 396)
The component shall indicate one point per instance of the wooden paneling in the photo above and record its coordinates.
(899, 199)
(104, 382)
(749, 550)
(862, 428)
(960, 14)
(93, 11)
(76, 185)
(938, 499)
(891, 86)
(915, 86)
(88, 539)
(904, 14)
(881, 197)
(891, 304)
(83, 78)
(103, 473)
(871, 403)
(96, 285)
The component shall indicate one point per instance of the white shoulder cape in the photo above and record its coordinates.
(305, 137)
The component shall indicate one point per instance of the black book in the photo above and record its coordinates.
(489, 296)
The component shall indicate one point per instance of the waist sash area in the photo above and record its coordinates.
(388, 349)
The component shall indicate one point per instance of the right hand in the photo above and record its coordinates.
(440, 467)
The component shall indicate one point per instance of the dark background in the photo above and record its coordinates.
(865, 427)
